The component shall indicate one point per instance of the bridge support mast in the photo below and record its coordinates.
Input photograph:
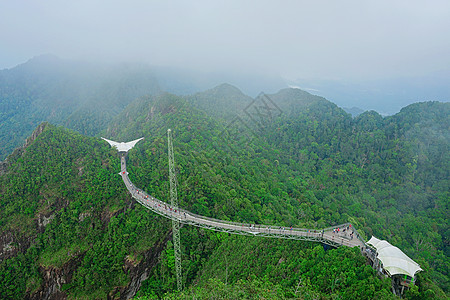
(174, 203)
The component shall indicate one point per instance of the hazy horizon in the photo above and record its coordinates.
(294, 39)
(330, 47)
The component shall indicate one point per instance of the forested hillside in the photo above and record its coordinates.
(69, 228)
(80, 96)
(222, 102)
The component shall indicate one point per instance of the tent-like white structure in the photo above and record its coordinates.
(123, 147)
(393, 259)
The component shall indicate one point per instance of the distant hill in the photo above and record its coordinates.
(227, 102)
(354, 111)
(294, 99)
(187, 82)
(224, 101)
(86, 96)
(80, 96)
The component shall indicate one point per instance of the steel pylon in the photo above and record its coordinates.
(174, 203)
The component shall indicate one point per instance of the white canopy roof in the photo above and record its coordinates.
(123, 147)
(393, 259)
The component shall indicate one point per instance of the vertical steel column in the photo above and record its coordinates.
(174, 203)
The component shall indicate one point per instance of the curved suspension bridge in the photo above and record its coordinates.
(339, 235)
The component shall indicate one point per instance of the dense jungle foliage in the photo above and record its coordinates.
(291, 159)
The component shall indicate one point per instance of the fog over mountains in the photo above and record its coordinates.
(386, 96)
(68, 92)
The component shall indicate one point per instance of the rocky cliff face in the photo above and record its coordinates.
(19, 151)
(54, 278)
(53, 282)
(140, 271)
(3, 167)
(10, 243)
(8, 247)
(34, 135)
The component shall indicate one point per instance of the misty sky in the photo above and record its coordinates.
(295, 39)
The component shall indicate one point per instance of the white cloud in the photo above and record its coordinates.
(324, 39)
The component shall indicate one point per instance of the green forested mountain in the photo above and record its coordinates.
(223, 102)
(80, 96)
(69, 228)
(354, 111)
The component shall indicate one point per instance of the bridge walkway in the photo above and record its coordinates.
(328, 236)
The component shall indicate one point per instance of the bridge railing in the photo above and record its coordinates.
(239, 225)
(245, 226)
(242, 228)
(168, 211)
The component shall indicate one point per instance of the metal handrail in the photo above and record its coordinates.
(187, 217)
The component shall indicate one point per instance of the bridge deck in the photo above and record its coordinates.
(326, 235)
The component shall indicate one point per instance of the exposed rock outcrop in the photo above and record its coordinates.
(35, 134)
(54, 278)
(3, 167)
(140, 271)
(19, 151)
(7, 246)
